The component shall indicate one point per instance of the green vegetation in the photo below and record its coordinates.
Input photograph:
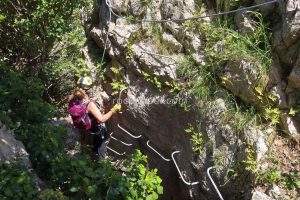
(270, 175)
(292, 180)
(117, 86)
(145, 2)
(40, 60)
(197, 139)
(16, 182)
(28, 30)
(148, 184)
(153, 80)
(253, 47)
(205, 80)
(78, 177)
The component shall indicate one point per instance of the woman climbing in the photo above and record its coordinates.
(87, 116)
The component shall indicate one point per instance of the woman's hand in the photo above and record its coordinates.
(116, 108)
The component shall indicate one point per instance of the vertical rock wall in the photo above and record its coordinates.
(147, 111)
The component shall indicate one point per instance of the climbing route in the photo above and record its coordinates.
(166, 159)
(120, 154)
(182, 178)
(132, 135)
(108, 3)
(126, 144)
(213, 182)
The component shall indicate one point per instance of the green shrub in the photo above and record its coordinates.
(16, 182)
(148, 185)
(77, 177)
(50, 194)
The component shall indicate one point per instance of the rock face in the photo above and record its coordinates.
(257, 195)
(143, 67)
(242, 77)
(12, 149)
(286, 42)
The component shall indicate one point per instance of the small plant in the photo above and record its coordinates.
(154, 80)
(145, 2)
(117, 86)
(129, 52)
(291, 180)
(272, 114)
(116, 70)
(175, 88)
(250, 160)
(130, 18)
(293, 112)
(197, 139)
(219, 158)
(270, 175)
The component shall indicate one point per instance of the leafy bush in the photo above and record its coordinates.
(49, 194)
(23, 110)
(143, 184)
(28, 29)
(16, 182)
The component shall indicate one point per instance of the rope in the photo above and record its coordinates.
(200, 17)
(108, 3)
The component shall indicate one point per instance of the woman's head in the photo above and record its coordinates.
(79, 93)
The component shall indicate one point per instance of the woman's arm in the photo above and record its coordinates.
(70, 97)
(92, 108)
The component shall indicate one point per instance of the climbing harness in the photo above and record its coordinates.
(168, 160)
(212, 181)
(187, 183)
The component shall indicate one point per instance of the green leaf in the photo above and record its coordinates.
(74, 189)
(150, 197)
(2, 18)
(292, 112)
(160, 189)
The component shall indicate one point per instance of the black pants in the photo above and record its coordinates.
(100, 136)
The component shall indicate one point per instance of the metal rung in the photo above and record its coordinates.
(168, 160)
(119, 100)
(120, 154)
(129, 132)
(188, 183)
(119, 140)
(213, 183)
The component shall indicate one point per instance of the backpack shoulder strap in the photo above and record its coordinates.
(85, 103)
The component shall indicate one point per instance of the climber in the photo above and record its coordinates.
(87, 116)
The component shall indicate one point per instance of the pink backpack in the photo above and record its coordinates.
(79, 113)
